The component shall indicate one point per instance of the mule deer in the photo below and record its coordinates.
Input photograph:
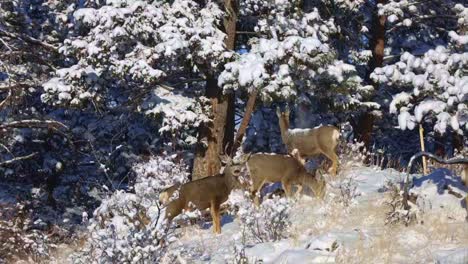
(270, 168)
(310, 141)
(209, 192)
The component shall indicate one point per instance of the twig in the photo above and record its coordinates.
(18, 159)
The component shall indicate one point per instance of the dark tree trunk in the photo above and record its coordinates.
(366, 121)
(378, 40)
(458, 141)
(364, 128)
(219, 134)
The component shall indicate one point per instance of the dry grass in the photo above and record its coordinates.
(378, 243)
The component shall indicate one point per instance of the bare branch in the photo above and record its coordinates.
(2, 103)
(4, 163)
(34, 123)
(6, 45)
(29, 39)
(189, 81)
(248, 33)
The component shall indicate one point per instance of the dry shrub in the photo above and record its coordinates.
(396, 213)
(22, 239)
(352, 154)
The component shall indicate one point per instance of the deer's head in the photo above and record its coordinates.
(233, 168)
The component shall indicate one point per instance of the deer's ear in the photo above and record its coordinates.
(224, 159)
(297, 155)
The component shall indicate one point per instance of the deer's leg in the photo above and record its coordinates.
(331, 155)
(287, 188)
(256, 187)
(299, 190)
(173, 209)
(216, 217)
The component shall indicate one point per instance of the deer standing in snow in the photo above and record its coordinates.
(209, 192)
(310, 141)
(287, 169)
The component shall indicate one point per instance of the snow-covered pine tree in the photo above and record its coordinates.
(154, 56)
(293, 56)
(427, 64)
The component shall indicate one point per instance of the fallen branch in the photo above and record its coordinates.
(4, 163)
(408, 182)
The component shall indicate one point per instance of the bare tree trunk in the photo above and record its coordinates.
(249, 108)
(366, 121)
(219, 134)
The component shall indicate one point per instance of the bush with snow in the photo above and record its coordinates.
(396, 213)
(126, 228)
(130, 227)
(352, 154)
(269, 222)
(347, 191)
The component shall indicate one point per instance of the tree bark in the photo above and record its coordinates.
(367, 119)
(219, 134)
(378, 40)
(249, 108)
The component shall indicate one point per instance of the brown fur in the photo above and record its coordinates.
(311, 142)
(270, 168)
(209, 192)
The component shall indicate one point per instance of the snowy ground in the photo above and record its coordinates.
(329, 232)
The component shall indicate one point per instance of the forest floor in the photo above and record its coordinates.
(356, 222)
(351, 225)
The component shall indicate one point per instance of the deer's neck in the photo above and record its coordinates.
(231, 182)
(284, 127)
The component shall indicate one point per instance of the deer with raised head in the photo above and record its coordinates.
(287, 169)
(209, 192)
(310, 141)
